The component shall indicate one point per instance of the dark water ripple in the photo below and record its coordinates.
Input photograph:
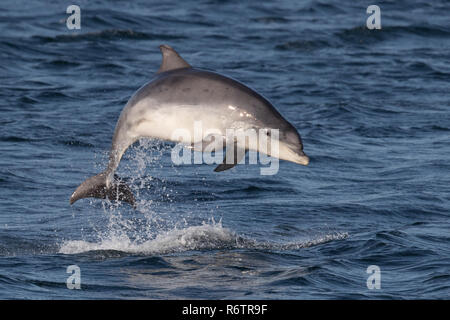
(373, 108)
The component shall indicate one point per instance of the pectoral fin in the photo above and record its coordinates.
(232, 157)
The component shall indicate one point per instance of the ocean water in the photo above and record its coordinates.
(372, 106)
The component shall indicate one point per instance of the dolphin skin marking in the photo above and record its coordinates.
(177, 97)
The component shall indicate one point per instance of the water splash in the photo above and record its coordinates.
(209, 236)
(149, 231)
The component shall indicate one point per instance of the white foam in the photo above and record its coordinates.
(207, 236)
(204, 237)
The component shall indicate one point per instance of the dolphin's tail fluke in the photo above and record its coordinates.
(96, 187)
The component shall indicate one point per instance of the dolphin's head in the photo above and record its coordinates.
(290, 146)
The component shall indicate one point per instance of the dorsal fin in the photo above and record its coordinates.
(171, 60)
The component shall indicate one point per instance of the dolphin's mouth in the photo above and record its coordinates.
(292, 153)
(302, 158)
(296, 156)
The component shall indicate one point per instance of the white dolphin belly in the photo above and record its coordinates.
(166, 122)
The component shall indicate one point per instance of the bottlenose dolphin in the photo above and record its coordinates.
(176, 97)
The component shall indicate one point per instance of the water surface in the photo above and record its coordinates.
(372, 106)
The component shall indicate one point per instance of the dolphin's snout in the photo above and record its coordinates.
(293, 154)
(304, 161)
(299, 157)
(303, 158)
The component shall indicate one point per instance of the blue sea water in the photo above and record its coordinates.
(372, 106)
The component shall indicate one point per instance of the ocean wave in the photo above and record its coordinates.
(303, 45)
(361, 34)
(107, 35)
(203, 237)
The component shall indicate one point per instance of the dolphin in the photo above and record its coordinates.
(176, 97)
